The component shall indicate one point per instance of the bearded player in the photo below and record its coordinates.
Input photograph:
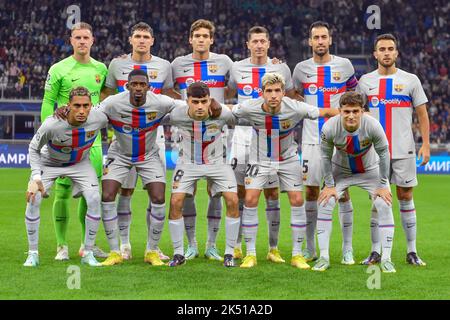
(322, 79)
(392, 96)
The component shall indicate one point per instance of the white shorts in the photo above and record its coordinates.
(131, 180)
(404, 172)
(312, 174)
(82, 174)
(288, 172)
(220, 177)
(368, 181)
(118, 169)
(240, 155)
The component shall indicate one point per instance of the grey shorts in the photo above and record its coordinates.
(368, 181)
(288, 172)
(119, 168)
(131, 180)
(404, 172)
(82, 174)
(219, 176)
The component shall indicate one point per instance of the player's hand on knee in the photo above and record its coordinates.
(215, 109)
(62, 112)
(385, 194)
(34, 186)
(326, 194)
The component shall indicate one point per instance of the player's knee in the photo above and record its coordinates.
(232, 203)
(126, 192)
(251, 201)
(312, 193)
(108, 196)
(296, 199)
(158, 198)
(404, 194)
(271, 194)
(36, 203)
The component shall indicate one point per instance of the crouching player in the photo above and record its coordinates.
(201, 155)
(60, 148)
(358, 139)
(274, 151)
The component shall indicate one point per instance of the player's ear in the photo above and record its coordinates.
(129, 40)
(331, 40)
(310, 41)
(190, 40)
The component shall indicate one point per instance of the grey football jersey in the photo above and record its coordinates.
(355, 151)
(158, 70)
(246, 77)
(135, 127)
(201, 142)
(59, 144)
(273, 134)
(391, 100)
(322, 86)
(187, 70)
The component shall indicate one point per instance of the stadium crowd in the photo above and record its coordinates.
(35, 36)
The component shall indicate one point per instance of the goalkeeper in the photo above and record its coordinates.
(80, 69)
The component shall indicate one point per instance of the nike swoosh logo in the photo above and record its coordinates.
(186, 70)
(62, 141)
(272, 182)
(94, 185)
(125, 73)
(123, 117)
(309, 76)
(297, 185)
(73, 80)
(158, 177)
(231, 187)
(370, 89)
(408, 181)
(245, 77)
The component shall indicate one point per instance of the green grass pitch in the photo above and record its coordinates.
(202, 279)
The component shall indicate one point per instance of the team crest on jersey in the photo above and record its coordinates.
(336, 76)
(213, 129)
(213, 68)
(153, 74)
(365, 143)
(285, 124)
(152, 115)
(90, 134)
(97, 78)
(399, 87)
(375, 101)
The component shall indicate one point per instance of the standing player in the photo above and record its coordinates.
(392, 95)
(135, 115)
(211, 69)
(60, 148)
(80, 69)
(323, 79)
(246, 78)
(358, 138)
(160, 73)
(273, 150)
(202, 155)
